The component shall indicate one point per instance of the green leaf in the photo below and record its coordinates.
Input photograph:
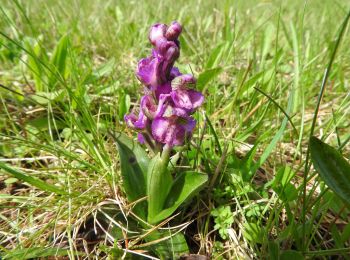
(205, 77)
(42, 123)
(134, 164)
(10, 181)
(282, 186)
(246, 164)
(274, 250)
(31, 180)
(124, 104)
(332, 167)
(58, 60)
(185, 185)
(35, 252)
(291, 255)
(283, 176)
(171, 248)
(253, 232)
(216, 54)
(35, 52)
(43, 98)
(159, 183)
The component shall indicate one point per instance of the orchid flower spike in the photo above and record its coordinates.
(170, 97)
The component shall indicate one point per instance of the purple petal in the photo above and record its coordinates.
(130, 119)
(196, 97)
(181, 99)
(176, 111)
(140, 138)
(172, 131)
(162, 105)
(147, 71)
(167, 63)
(159, 128)
(141, 121)
(135, 122)
(190, 125)
(175, 72)
(184, 130)
(173, 31)
(148, 106)
(187, 99)
(157, 32)
(162, 89)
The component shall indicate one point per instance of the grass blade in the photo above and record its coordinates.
(33, 181)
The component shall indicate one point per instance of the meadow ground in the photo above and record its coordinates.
(67, 75)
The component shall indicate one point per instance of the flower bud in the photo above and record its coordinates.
(168, 61)
(157, 33)
(173, 31)
(136, 123)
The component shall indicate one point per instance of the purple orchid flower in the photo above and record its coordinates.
(135, 122)
(173, 130)
(170, 98)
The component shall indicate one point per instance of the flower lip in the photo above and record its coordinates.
(172, 131)
(188, 100)
(135, 122)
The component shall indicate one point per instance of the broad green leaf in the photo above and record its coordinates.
(171, 248)
(283, 176)
(159, 183)
(332, 167)
(134, 164)
(291, 255)
(31, 180)
(287, 193)
(205, 77)
(42, 123)
(43, 98)
(282, 186)
(58, 60)
(185, 185)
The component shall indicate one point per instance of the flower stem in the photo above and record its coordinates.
(166, 154)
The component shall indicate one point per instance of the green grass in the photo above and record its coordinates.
(67, 78)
